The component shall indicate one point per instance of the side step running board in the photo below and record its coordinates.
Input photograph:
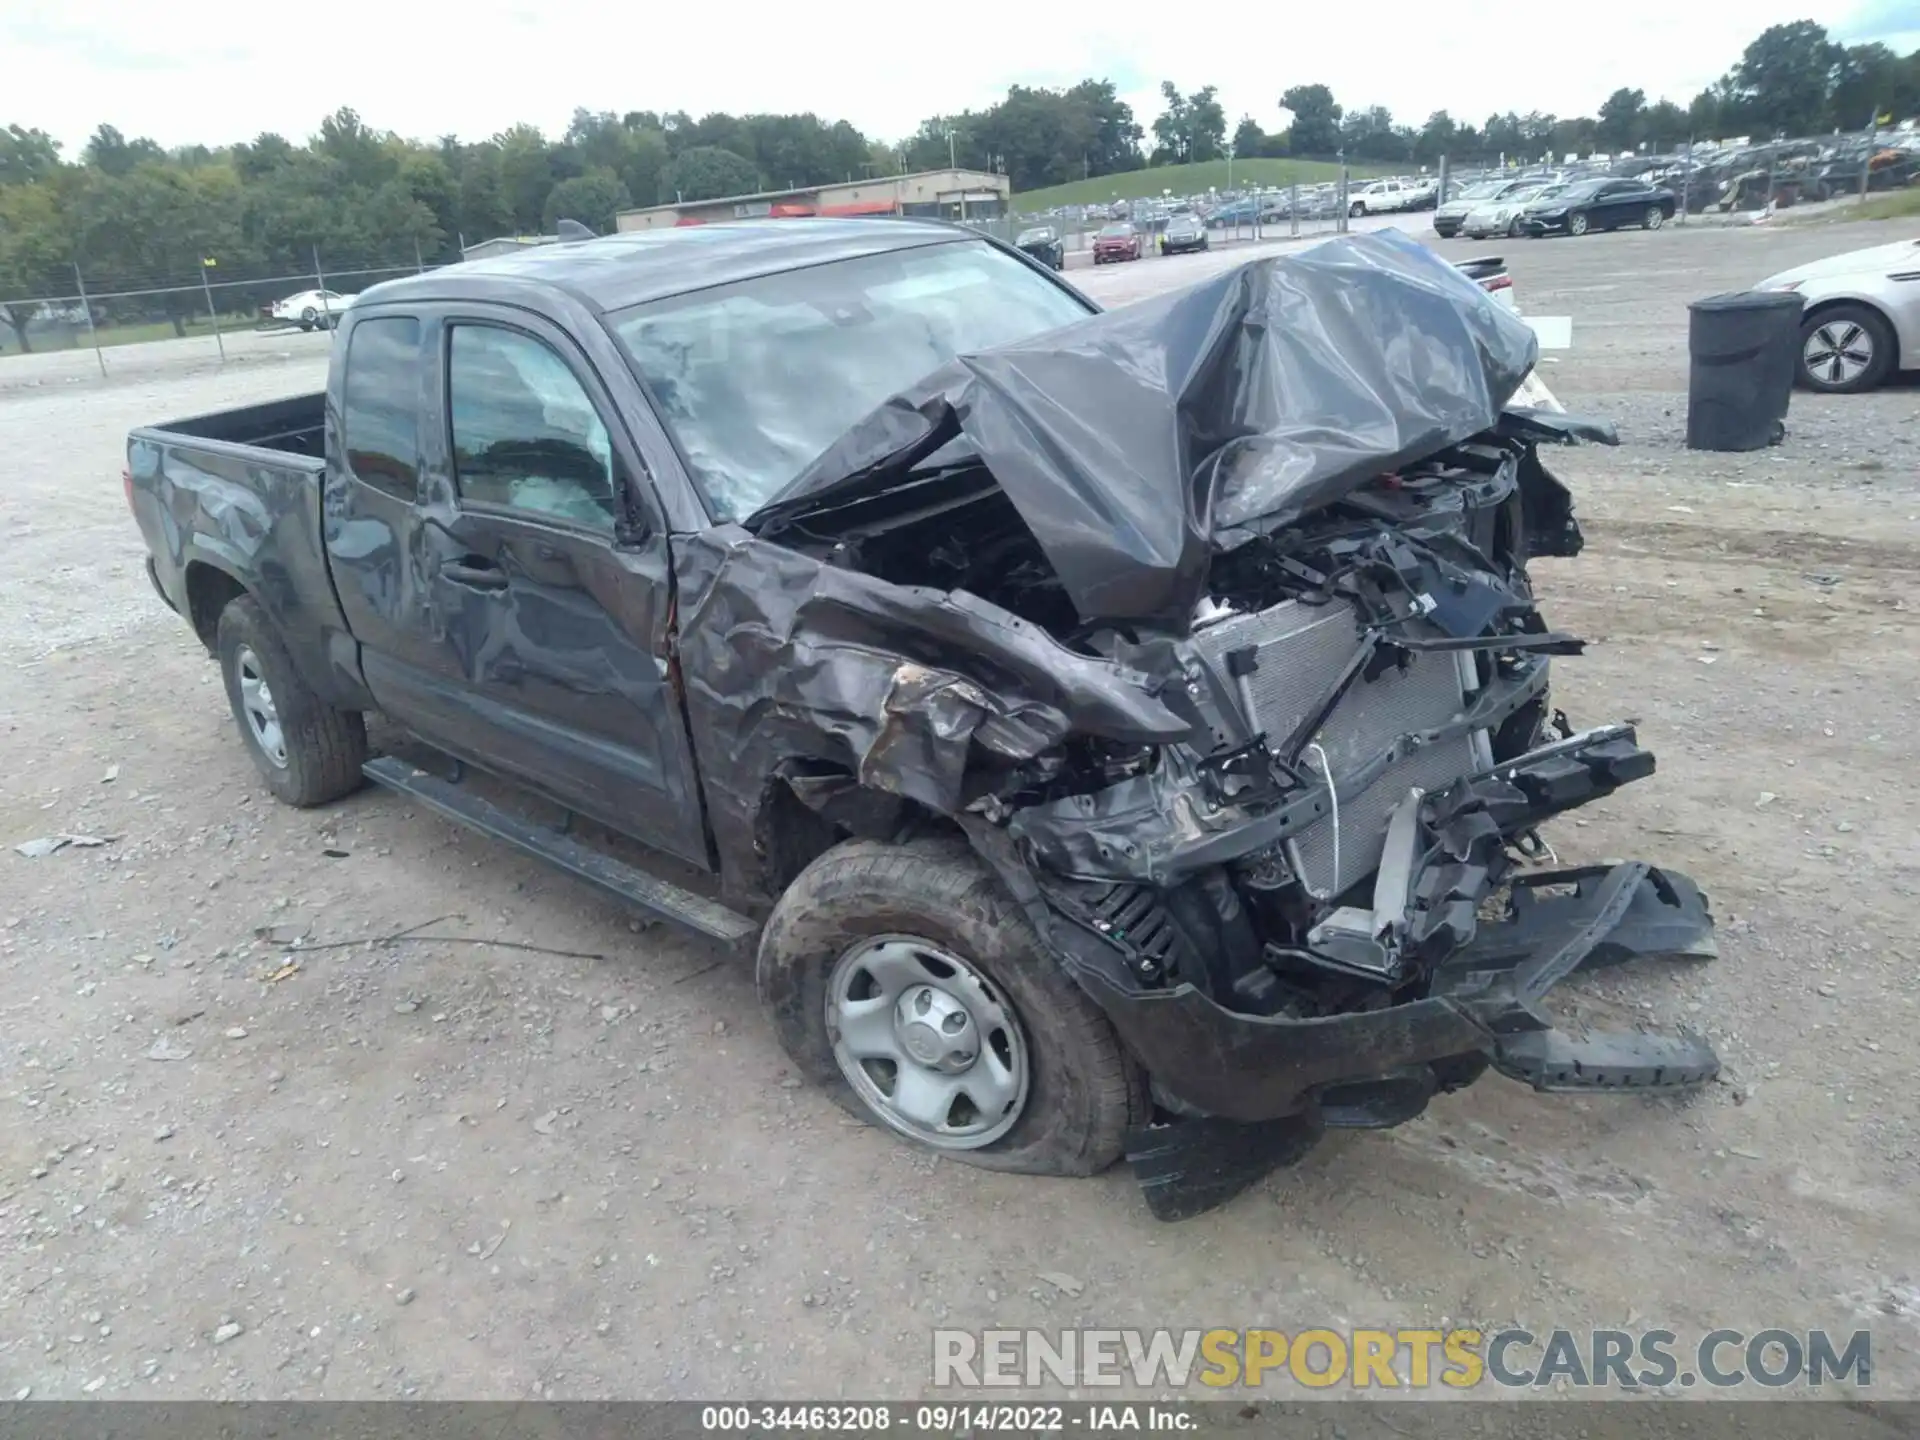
(656, 897)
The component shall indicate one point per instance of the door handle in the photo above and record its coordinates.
(476, 572)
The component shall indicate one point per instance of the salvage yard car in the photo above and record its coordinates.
(1102, 749)
(1450, 217)
(1118, 241)
(1861, 324)
(1183, 233)
(310, 308)
(1501, 215)
(1044, 244)
(1601, 204)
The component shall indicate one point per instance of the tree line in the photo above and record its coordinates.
(349, 198)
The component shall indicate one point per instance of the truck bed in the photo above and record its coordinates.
(231, 501)
(295, 426)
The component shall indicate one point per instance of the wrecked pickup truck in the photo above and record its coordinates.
(1121, 733)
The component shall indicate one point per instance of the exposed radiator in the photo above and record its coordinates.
(1300, 650)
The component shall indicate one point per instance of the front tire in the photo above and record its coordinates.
(1845, 349)
(1577, 223)
(1356, 210)
(308, 752)
(905, 982)
(1513, 229)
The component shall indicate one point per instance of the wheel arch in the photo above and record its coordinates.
(210, 589)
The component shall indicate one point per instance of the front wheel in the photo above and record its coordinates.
(1356, 210)
(1656, 217)
(308, 752)
(908, 984)
(1577, 223)
(1845, 349)
(1513, 229)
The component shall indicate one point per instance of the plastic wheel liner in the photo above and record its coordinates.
(1209, 622)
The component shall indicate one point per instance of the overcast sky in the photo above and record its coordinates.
(216, 71)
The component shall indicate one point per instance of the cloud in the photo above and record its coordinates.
(1894, 23)
(217, 71)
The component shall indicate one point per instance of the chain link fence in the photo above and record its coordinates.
(105, 309)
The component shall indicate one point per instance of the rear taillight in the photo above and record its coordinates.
(126, 483)
(1497, 282)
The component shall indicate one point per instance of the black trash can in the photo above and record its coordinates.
(1743, 348)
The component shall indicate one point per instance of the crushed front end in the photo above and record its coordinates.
(1241, 691)
(1330, 906)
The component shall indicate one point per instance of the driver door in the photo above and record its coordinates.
(530, 630)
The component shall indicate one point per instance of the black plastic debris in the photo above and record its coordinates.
(1742, 349)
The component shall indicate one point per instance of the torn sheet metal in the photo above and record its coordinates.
(789, 662)
(1135, 443)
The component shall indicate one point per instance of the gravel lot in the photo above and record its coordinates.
(448, 1170)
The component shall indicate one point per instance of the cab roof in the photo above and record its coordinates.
(635, 266)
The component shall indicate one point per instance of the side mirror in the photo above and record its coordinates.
(631, 532)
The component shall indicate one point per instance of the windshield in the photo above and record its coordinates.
(1119, 231)
(1482, 191)
(1034, 237)
(755, 379)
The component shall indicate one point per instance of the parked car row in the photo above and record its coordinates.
(1576, 207)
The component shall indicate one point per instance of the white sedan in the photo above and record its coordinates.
(310, 308)
(1861, 323)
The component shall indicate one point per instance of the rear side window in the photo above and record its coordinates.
(381, 417)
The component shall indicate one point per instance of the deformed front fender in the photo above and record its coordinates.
(788, 659)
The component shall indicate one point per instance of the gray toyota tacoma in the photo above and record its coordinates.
(1112, 733)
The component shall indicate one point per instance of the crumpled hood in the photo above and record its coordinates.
(1137, 442)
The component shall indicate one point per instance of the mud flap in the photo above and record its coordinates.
(1194, 1164)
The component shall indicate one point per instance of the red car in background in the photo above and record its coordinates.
(1119, 241)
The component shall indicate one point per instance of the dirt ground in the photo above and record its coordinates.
(464, 1170)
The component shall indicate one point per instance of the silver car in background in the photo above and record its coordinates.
(1449, 218)
(1861, 324)
(1501, 216)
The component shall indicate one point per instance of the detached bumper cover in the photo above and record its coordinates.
(1248, 1088)
(1485, 1003)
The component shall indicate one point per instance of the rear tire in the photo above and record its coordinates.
(308, 752)
(1082, 1091)
(1656, 217)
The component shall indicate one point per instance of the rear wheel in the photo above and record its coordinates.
(909, 985)
(1656, 217)
(307, 317)
(1513, 229)
(308, 752)
(1845, 349)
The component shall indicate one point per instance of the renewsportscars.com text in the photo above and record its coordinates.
(1459, 1359)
